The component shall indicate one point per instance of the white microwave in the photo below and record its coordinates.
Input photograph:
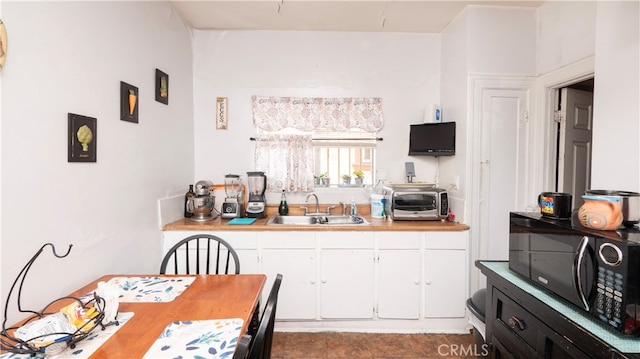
(416, 202)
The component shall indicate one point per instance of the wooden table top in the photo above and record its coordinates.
(208, 297)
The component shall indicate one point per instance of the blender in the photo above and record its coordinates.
(232, 205)
(256, 184)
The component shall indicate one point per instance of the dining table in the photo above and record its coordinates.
(154, 310)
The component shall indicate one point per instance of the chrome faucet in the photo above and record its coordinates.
(317, 203)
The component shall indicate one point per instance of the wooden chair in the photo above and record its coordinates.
(242, 349)
(261, 347)
(201, 254)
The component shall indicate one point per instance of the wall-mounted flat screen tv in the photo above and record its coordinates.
(433, 139)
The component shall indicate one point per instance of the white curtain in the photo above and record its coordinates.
(287, 160)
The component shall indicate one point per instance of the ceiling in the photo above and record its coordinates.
(421, 16)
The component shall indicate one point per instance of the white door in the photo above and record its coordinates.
(502, 157)
(574, 150)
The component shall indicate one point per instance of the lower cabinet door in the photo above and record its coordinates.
(346, 284)
(445, 283)
(399, 284)
(297, 298)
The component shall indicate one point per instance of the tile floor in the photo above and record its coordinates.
(373, 346)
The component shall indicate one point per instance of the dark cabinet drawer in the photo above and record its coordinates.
(517, 333)
(512, 319)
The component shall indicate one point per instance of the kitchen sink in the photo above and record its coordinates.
(318, 221)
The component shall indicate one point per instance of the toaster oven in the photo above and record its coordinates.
(416, 202)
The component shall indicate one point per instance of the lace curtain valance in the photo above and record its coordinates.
(308, 114)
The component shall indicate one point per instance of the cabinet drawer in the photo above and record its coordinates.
(513, 320)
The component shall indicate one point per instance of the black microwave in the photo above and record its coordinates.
(597, 271)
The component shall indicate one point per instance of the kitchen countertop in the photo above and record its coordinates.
(376, 224)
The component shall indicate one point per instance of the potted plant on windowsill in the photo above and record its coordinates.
(346, 179)
(322, 180)
(359, 177)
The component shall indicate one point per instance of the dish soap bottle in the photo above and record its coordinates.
(187, 198)
(283, 209)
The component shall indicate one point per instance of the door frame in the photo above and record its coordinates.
(544, 126)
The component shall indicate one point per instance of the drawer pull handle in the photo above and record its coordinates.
(516, 324)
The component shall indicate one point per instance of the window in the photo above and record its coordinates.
(306, 142)
(341, 153)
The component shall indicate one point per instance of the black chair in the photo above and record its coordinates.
(261, 347)
(189, 256)
(242, 349)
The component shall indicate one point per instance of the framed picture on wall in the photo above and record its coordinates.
(162, 87)
(82, 138)
(129, 102)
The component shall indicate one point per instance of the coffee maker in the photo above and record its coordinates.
(256, 185)
(232, 205)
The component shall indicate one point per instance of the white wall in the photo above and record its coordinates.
(569, 32)
(70, 57)
(501, 40)
(566, 33)
(455, 73)
(481, 40)
(403, 69)
(616, 103)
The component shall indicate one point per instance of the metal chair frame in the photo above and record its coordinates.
(261, 347)
(214, 243)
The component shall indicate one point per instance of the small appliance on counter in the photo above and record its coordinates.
(629, 202)
(201, 204)
(415, 201)
(256, 186)
(232, 206)
(594, 270)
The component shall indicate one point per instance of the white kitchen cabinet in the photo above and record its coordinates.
(292, 254)
(359, 280)
(399, 275)
(446, 267)
(346, 275)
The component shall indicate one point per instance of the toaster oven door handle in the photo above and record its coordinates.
(577, 270)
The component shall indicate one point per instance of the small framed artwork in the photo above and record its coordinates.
(129, 102)
(162, 87)
(221, 113)
(82, 139)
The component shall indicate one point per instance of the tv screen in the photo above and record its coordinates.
(433, 139)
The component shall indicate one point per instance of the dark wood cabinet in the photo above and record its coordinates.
(524, 322)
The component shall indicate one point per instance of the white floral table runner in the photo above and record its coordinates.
(215, 338)
(85, 347)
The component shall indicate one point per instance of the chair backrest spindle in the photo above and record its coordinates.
(186, 246)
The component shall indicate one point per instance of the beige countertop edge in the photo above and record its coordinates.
(376, 224)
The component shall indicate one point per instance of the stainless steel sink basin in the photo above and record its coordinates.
(317, 221)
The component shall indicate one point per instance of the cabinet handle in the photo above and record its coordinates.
(312, 281)
(427, 282)
(416, 281)
(516, 324)
(324, 281)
